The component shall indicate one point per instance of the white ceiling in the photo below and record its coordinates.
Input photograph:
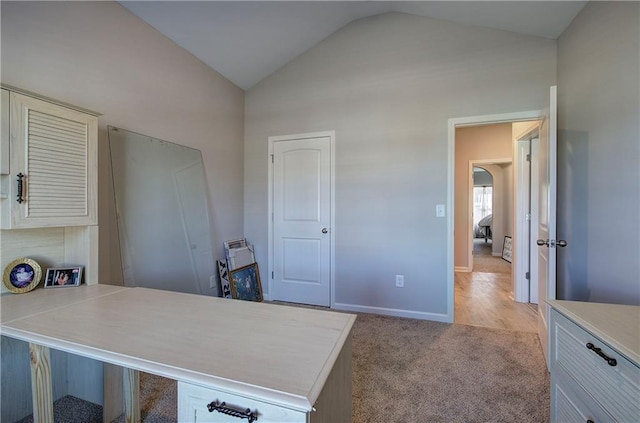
(246, 41)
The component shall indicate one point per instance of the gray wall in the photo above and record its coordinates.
(99, 56)
(387, 85)
(599, 155)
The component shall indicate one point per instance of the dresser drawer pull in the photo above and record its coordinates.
(590, 421)
(224, 409)
(611, 361)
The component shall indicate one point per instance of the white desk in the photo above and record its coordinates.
(276, 355)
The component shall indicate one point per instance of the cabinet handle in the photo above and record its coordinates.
(224, 409)
(20, 178)
(590, 421)
(612, 361)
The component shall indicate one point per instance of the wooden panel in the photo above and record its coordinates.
(19, 306)
(193, 400)
(335, 401)
(573, 405)
(286, 360)
(4, 133)
(41, 390)
(616, 388)
(45, 246)
(81, 248)
(56, 149)
(131, 384)
(57, 162)
(113, 405)
(617, 325)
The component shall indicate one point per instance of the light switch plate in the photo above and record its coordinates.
(440, 210)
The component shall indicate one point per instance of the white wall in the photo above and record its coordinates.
(387, 85)
(99, 56)
(599, 155)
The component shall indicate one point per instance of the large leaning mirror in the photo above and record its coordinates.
(162, 214)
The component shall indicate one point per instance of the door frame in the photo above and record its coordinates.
(452, 124)
(472, 164)
(526, 211)
(332, 184)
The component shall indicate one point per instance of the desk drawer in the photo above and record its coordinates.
(193, 400)
(614, 388)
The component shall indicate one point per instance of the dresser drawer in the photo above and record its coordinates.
(614, 388)
(570, 404)
(193, 400)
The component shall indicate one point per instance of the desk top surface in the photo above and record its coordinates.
(271, 352)
(618, 325)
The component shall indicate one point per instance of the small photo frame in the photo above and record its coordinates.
(60, 277)
(507, 249)
(22, 275)
(245, 283)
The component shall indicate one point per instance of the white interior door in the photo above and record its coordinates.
(546, 230)
(301, 220)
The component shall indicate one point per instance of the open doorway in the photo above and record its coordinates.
(485, 199)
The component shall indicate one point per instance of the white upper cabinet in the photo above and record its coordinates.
(52, 164)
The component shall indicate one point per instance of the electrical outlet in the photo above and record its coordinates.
(212, 281)
(399, 281)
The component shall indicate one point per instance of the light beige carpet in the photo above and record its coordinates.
(409, 371)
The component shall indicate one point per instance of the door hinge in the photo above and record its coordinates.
(528, 157)
(271, 275)
(272, 158)
(527, 276)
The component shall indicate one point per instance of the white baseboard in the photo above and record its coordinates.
(462, 269)
(496, 254)
(421, 315)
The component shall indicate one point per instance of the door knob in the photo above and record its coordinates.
(325, 230)
(542, 242)
(561, 243)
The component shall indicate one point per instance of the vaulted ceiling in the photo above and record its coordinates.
(246, 41)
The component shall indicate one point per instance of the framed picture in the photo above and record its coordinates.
(59, 277)
(245, 283)
(507, 249)
(22, 275)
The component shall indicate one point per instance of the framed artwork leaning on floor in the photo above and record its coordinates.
(245, 283)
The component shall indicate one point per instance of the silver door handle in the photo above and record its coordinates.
(552, 243)
(325, 230)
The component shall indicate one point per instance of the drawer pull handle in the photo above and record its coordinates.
(590, 421)
(224, 409)
(611, 361)
(20, 176)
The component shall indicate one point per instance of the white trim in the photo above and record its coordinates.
(464, 269)
(420, 315)
(522, 195)
(496, 254)
(332, 199)
(452, 124)
(535, 212)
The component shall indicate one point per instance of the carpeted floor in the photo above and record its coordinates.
(406, 370)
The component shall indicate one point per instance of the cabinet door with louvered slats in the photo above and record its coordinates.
(54, 149)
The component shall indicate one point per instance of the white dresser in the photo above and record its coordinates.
(595, 362)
